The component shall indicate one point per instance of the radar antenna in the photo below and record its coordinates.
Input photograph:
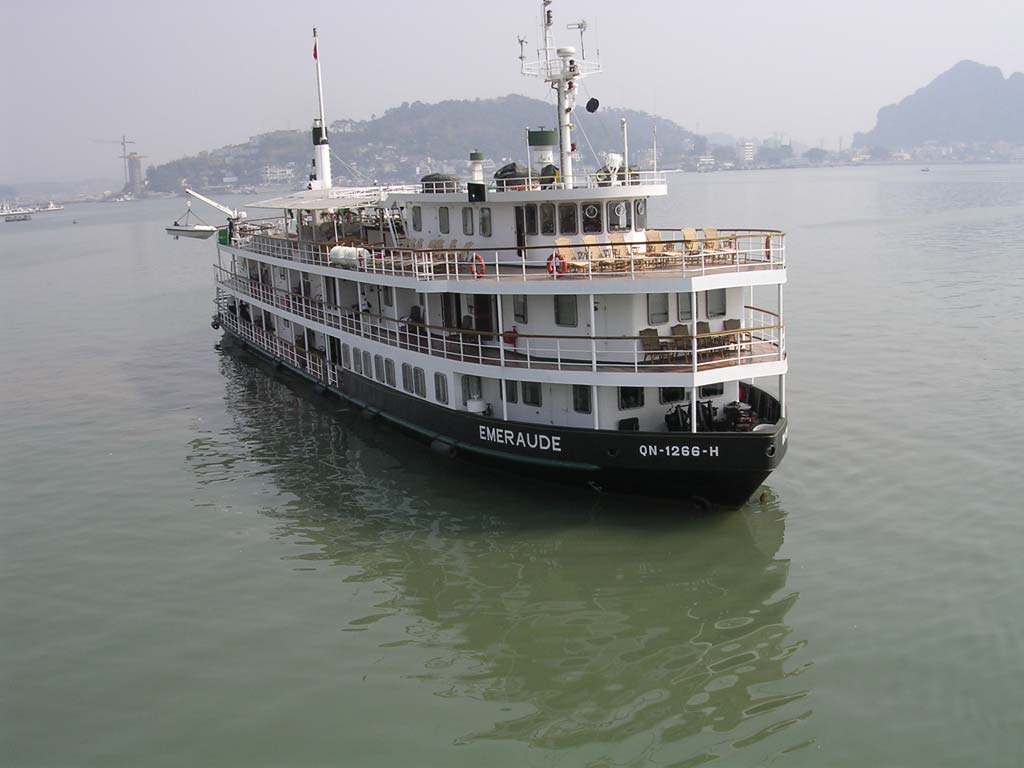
(581, 25)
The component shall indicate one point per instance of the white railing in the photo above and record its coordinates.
(656, 256)
(537, 182)
(759, 338)
(277, 347)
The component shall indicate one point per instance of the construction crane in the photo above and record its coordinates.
(124, 142)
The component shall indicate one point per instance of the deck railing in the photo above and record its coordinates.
(663, 253)
(534, 182)
(760, 338)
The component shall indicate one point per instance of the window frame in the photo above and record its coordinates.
(577, 388)
(485, 222)
(575, 310)
(640, 215)
(407, 384)
(511, 391)
(417, 218)
(367, 364)
(664, 400)
(389, 372)
(388, 294)
(527, 386)
(357, 360)
(517, 315)
(591, 225)
(548, 226)
(611, 215)
(530, 227)
(622, 404)
(725, 302)
(441, 388)
(718, 385)
(562, 230)
(378, 368)
(688, 317)
(419, 382)
(346, 356)
(650, 309)
(444, 222)
(469, 384)
(467, 221)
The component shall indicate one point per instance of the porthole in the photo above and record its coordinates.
(640, 207)
(590, 211)
(620, 210)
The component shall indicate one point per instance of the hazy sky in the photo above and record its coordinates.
(184, 75)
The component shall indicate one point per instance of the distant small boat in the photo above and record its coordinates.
(198, 231)
(18, 217)
(925, 170)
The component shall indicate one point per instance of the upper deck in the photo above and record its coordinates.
(663, 253)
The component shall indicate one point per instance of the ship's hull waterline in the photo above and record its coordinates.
(718, 468)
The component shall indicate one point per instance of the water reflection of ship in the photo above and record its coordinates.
(593, 626)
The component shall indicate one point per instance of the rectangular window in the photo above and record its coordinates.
(417, 218)
(531, 393)
(685, 308)
(519, 308)
(419, 382)
(467, 221)
(565, 311)
(631, 397)
(407, 377)
(672, 395)
(443, 224)
(592, 218)
(567, 219)
(441, 388)
(389, 372)
(657, 308)
(547, 218)
(485, 222)
(620, 216)
(640, 206)
(367, 364)
(511, 391)
(581, 398)
(710, 390)
(529, 219)
(346, 356)
(357, 360)
(378, 367)
(389, 296)
(471, 389)
(716, 302)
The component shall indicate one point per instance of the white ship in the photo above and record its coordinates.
(537, 320)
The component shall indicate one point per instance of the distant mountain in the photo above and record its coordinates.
(418, 138)
(968, 103)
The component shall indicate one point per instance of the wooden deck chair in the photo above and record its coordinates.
(740, 339)
(650, 344)
(691, 245)
(621, 252)
(567, 253)
(705, 345)
(719, 249)
(593, 254)
(682, 340)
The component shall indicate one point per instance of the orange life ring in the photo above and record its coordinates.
(556, 264)
(477, 265)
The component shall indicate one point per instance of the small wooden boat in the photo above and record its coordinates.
(198, 231)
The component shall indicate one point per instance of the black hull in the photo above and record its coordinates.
(720, 468)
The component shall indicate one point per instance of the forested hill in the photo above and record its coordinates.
(417, 138)
(968, 103)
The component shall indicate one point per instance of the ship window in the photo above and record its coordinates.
(378, 367)
(631, 397)
(441, 388)
(620, 216)
(567, 219)
(531, 393)
(389, 295)
(657, 308)
(511, 391)
(529, 219)
(711, 390)
(547, 218)
(357, 359)
(685, 308)
(407, 377)
(367, 364)
(716, 302)
(471, 389)
(519, 308)
(419, 382)
(640, 206)
(346, 356)
(672, 395)
(467, 221)
(485, 222)
(443, 224)
(389, 372)
(565, 311)
(417, 218)
(581, 398)
(592, 217)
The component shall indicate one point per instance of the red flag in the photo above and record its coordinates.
(314, 50)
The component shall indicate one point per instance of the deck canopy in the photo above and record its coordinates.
(335, 197)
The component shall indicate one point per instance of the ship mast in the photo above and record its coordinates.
(561, 68)
(320, 178)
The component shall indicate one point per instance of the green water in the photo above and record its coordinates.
(205, 564)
